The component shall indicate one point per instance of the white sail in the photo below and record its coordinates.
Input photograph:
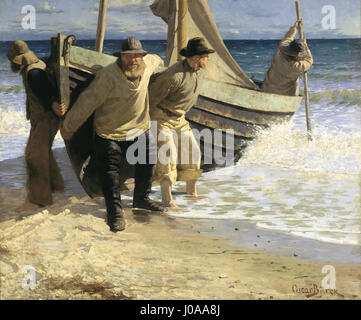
(199, 23)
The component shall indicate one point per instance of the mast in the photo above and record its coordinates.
(182, 24)
(102, 17)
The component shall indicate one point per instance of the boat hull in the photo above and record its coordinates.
(240, 113)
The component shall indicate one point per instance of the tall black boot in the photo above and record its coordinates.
(143, 187)
(108, 157)
(115, 213)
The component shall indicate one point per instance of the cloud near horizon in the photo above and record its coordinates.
(236, 19)
(45, 7)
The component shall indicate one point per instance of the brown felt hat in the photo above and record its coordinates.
(196, 47)
(131, 45)
(19, 53)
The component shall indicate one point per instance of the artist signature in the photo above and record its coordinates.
(315, 291)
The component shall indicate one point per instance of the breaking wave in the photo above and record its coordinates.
(12, 88)
(286, 146)
(349, 97)
(336, 77)
(13, 122)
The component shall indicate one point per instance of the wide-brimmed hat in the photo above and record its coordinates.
(196, 46)
(19, 53)
(131, 45)
(295, 49)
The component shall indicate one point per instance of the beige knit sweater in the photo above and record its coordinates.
(120, 106)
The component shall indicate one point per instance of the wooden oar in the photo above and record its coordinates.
(305, 77)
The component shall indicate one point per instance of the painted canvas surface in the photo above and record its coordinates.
(283, 222)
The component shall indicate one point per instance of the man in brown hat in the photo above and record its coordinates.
(43, 175)
(172, 94)
(118, 97)
(292, 59)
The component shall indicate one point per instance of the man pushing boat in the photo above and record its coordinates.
(43, 174)
(118, 97)
(291, 60)
(172, 94)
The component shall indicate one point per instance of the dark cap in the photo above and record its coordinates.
(295, 48)
(131, 45)
(196, 46)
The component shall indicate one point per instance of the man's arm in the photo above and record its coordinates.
(88, 101)
(290, 35)
(304, 65)
(160, 88)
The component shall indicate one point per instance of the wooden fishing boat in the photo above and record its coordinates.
(229, 99)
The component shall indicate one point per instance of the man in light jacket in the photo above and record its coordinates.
(292, 59)
(172, 94)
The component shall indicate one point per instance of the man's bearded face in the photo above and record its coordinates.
(132, 64)
(203, 60)
(199, 61)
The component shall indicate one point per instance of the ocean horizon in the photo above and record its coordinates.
(141, 39)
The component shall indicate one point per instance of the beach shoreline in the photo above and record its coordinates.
(157, 256)
(73, 255)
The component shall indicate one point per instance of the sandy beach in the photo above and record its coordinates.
(73, 255)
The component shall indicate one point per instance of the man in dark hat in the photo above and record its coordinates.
(172, 94)
(43, 175)
(118, 97)
(292, 59)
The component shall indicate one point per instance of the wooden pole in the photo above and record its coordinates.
(102, 17)
(182, 24)
(305, 78)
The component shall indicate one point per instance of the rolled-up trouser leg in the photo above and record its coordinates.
(189, 156)
(166, 166)
(108, 155)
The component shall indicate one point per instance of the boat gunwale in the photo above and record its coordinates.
(272, 113)
(261, 101)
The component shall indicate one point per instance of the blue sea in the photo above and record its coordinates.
(284, 182)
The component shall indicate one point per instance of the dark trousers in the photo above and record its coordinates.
(43, 174)
(109, 154)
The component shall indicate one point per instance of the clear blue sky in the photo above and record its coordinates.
(236, 19)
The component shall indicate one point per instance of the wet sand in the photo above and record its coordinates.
(75, 256)
(71, 253)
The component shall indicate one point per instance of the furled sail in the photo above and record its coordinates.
(199, 23)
